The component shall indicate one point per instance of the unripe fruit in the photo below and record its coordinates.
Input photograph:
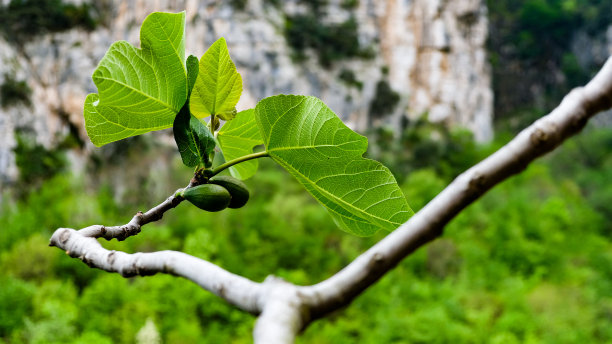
(209, 197)
(236, 188)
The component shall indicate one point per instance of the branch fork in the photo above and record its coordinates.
(284, 309)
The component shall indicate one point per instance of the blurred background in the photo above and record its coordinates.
(436, 86)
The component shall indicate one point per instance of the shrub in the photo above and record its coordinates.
(13, 92)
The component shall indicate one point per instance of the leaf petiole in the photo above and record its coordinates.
(211, 125)
(231, 163)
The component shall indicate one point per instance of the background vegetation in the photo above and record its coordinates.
(531, 262)
(22, 20)
(547, 47)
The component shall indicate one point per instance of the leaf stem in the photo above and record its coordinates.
(211, 124)
(231, 163)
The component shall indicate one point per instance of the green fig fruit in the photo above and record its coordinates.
(209, 197)
(236, 188)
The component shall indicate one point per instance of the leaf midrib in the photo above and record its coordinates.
(281, 149)
(166, 105)
(360, 211)
(119, 124)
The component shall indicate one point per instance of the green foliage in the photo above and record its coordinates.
(91, 338)
(29, 260)
(53, 318)
(502, 276)
(349, 4)
(152, 82)
(573, 72)
(35, 162)
(15, 304)
(510, 278)
(239, 5)
(275, 3)
(349, 78)
(194, 140)
(331, 42)
(218, 86)
(21, 20)
(385, 100)
(361, 195)
(316, 6)
(238, 138)
(496, 276)
(193, 69)
(592, 149)
(530, 44)
(426, 145)
(326, 157)
(13, 92)
(544, 26)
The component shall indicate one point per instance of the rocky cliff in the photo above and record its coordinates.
(426, 56)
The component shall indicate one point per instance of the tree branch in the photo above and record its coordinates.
(539, 138)
(82, 244)
(284, 314)
(133, 227)
(286, 309)
(239, 291)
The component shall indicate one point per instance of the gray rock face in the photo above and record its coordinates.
(434, 51)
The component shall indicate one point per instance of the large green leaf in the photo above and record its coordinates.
(218, 86)
(194, 140)
(237, 138)
(305, 137)
(140, 90)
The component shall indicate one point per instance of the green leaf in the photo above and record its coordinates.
(237, 138)
(305, 137)
(96, 113)
(140, 90)
(194, 140)
(192, 72)
(218, 86)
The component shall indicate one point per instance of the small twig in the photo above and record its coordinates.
(134, 226)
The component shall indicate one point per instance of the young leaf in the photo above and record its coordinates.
(218, 86)
(305, 137)
(140, 90)
(192, 72)
(194, 140)
(237, 138)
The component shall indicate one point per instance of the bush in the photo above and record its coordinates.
(13, 92)
(531, 39)
(385, 100)
(22, 20)
(35, 162)
(529, 262)
(15, 304)
(30, 259)
(330, 41)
